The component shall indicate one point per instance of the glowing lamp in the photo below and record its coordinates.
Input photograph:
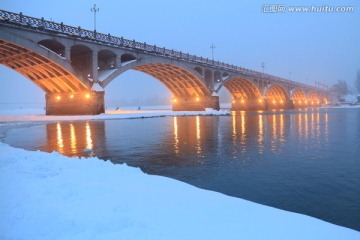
(71, 96)
(242, 100)
(58, 97)
(197, 99)
(87, 95)
(174, 100)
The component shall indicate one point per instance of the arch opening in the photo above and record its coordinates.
(245, 94)
(217, 76)
(81, 60)
(54, 46)
(106, 60)
(199, 70)
(313, 99)
(179, 81)
(276, 97)
(126, 58)
(299, 98)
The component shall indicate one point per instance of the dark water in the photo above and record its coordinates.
(303, 161)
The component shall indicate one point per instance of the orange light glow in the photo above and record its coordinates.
(71, 96)
(233, 101)
(281, 101)
(174, 100)
(260, 100)
(197, 99)
(87, 95)
(299, 102)
(242, 100)
(273, 101)
(58, 97)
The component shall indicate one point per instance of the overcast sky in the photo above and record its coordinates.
(304, 47)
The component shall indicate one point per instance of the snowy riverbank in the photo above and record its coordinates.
(49, 196)
(30, 115)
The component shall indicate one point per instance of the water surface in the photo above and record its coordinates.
(305, 161)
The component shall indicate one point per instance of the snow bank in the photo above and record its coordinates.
(23, 116)
(49, 196)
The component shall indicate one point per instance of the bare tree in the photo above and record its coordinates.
(340, 88)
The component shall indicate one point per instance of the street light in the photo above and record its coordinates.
(94, 9)
(263, 66)
(212, 46)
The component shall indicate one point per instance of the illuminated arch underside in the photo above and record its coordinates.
(243, 89)
(276, 93)
(178, 80)
(313, 97)
(48, 75)
(299, 97)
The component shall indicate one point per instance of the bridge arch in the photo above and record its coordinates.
(276, 96)
(313, 98)
(245, 93)
(299, 98)
(45, 72)
(182, 81)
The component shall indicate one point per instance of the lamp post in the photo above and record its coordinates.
(94, 9)
(262, 66)
(212, 46)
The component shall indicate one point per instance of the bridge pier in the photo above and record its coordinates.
(195, 103)
(80, 103)
(282, 104)
(248, 104)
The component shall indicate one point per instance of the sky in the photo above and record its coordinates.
(302, 46)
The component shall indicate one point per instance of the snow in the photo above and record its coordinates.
(50, 196)
(29, 115)
(97, 87)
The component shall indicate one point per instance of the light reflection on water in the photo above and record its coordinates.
(294, 160)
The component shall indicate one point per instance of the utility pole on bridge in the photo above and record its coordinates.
(263, 67)
(94, 9)
(212, 46)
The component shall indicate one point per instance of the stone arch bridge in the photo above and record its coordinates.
(73, 66)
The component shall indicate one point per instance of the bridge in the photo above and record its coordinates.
(73, 66)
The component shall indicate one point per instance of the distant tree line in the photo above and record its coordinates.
(341, 88)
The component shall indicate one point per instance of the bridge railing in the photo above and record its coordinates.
(42, 24)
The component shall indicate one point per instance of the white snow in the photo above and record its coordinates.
(28, 115)
(97, 87)
(49, 196)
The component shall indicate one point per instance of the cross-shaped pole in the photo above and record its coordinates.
(212, 46)
(94, 9)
